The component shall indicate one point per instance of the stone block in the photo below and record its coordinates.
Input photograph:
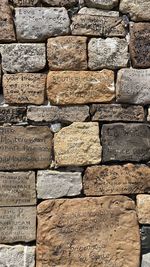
(99, 12)
(145, 260)
(145, 238)
(24, 3)
(143, 204)
(66, 3)
(80, 87)
(148, 117)
(138, 10)
(102, 4)
(11, 114)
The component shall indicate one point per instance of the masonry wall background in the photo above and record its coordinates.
(75, 133)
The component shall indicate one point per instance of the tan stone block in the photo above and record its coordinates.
(80, 87)
(24, 88)
(138, 10)
(143, 204)
(88, 232)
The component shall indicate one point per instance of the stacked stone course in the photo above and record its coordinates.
(74, 133)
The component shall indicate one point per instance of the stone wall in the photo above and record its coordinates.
(75, 133)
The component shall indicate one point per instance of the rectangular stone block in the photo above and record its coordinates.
(66, 3)
(145, 237)
(115, 179)
(67, 53)
(17, 224)
(145, 260)
(99, 12)
(76, 232)
(102, 26)
(58, 114)
(80, 87)
(126, 142)
(24, 88)
(81, 145)
(111, 53)
(102, 4)
(148, 117)
(17, 188)
(17, 256)
(25, 147)
(25, 2)
(116, 112)
(138, 10)
(40, 23)
(9, 114)
(133, 86)
(23, 57)
(143, 204)
(56, 184)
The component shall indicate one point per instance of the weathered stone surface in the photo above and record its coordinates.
(57, 114)
(11, 114)
(24, 88)
(38, 24)
(145, 237)
(56, 184)
(66, 3)
(17, 256)
(75, 232)
(25, 2)
(139, 45)
(148, 117)
(23, 57)
(143, 204)
(17, 224)
(25, 147)
(133, 86)
(109, 53)
(80, 87)
(137, 9)
(94, 11)
(78, 145)
(107, 180)
(89, 25)
(103, 4)
(126, 142)
(7, 33)
(67, 53)
(17, 189)
(145, 260)
(116, 112)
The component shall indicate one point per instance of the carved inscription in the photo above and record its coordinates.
(12, 114)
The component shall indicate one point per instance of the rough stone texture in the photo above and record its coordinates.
(145, 237)
(137, 9)
(109, 53)
(75, 232)
(74, 87)
(94, 11)
(107, 180)
(38, 24)
(24, 2)
(24, 88)
(56, 184)
(143, 204)
(17, 256)
(78, 145)
(17, 189)
(67, 53)
(116, 112)
(17, 224)
(7, 33)
(84, 24)
(66, 3)
(148, 117)
(126, 142)
(58, 114)
(140, 45)
(103, 4)
(23, 57)
(133, 86)
(9, 114)
(25, 147)
(145, 260)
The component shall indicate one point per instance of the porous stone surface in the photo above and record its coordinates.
(126, 142)
(133, 86)
(145, 260)
(7, 33)
(139, 45)
(74, 87)
(111, 53)
(89, 25)
(17, 224)
(76, 231)
(23, 57)
(143, 203)
(116, 112)
(17, 188)
(66, 3)
(38, 24)
(125, 179)
(24, 3)
(56, 184)
(67, 53)
(17, 255)
(148, 117)
(100, 12)
(103, 4)
(78, 145)
(25, 147)
(145, 238)
(64, 114)
(24, 88)
(12, 114)
(138, 10)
